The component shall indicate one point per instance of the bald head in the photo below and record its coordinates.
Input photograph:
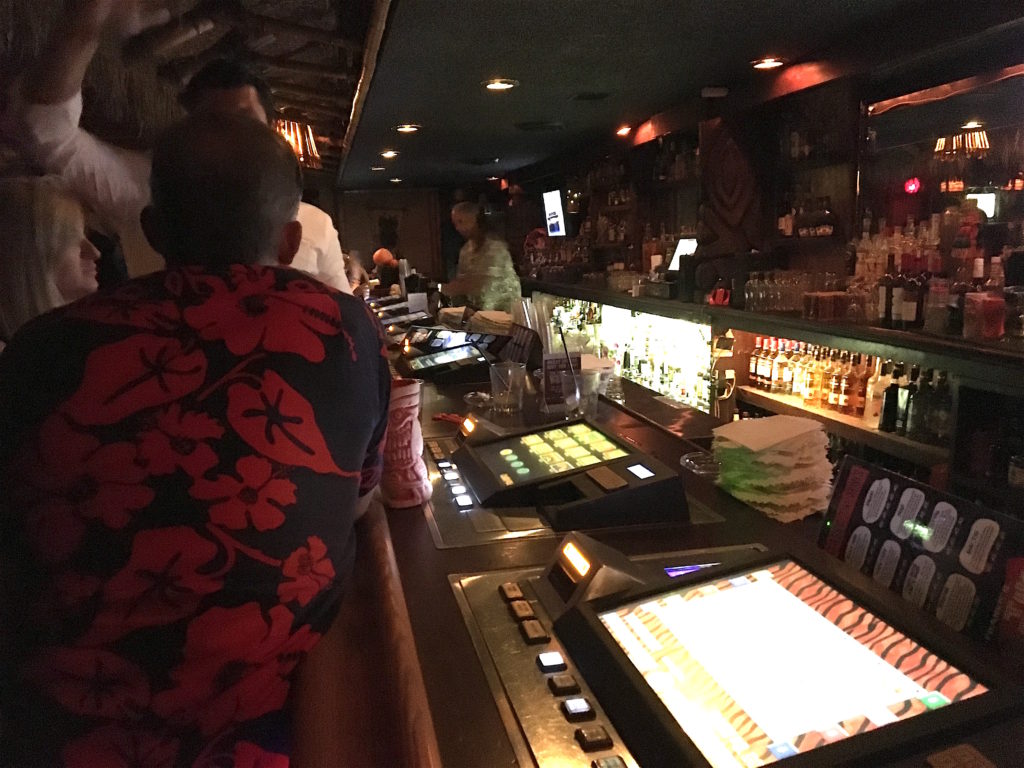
(225, 189)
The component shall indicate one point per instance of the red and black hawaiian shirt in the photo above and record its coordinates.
(181, 460)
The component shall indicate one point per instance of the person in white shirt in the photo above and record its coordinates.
(114, 182)
(45, 259)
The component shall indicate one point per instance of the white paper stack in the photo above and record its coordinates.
(778, 465)
(491, 321)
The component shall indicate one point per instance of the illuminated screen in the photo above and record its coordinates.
(827, 669)
(640, 471)
(986, 202)
(445, 356)
(687, 246)
(553, 210)
(540, 455)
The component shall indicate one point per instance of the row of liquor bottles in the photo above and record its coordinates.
(887, 395)
(971, 305)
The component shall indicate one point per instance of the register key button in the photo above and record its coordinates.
(533, 632)
(521, 610)
(511, 590)
(592, 738)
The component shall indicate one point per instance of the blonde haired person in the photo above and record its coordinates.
(45, 259)
(485, 277)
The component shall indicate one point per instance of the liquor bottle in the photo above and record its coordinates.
(885, 293)
(799, 365)
(850, 384)
(826, 377)
(907, 391)
(917, 409)
(860, 395)
(834, 380)
(890, 401)
(978, 274)
(752, 370)
(912, 293)
(780, 366)
(812, 378)
(764, 365)
(786, 367)
(939, 417)
(957, 291)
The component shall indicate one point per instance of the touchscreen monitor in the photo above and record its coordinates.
(539, 455)
(772, 662)
(455, 354)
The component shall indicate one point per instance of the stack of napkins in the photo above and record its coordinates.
(778, 465)
(491, 321)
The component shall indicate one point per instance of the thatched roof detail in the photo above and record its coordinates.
(131, 92)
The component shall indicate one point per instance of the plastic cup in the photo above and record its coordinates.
(508, 381)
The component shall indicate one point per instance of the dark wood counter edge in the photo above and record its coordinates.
(468, 725)
(1001, 362)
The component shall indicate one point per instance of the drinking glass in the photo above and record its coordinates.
(508, 380)
(581, 392)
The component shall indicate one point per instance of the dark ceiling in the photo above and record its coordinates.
(647, 56)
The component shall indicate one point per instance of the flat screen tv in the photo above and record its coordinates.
(772, 663)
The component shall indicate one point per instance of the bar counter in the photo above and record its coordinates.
(470, 726)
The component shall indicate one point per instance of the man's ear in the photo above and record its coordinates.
(291, 238)
(154, 230)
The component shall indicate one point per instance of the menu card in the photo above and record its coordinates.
(944, 554)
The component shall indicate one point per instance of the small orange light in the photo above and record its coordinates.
(468, 425)
(576, 559)
(623, 131)
(768, 62)
(408, 127)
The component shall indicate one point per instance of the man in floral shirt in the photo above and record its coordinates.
(182, 461)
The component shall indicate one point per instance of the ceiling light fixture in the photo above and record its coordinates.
(768, 62)
(396, 181)
(492, 178)
(377, 168)
(500, 84)
(408, 127)
(971, 125)
(389, 154)
(624, 130)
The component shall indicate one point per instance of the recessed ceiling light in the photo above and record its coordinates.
(768, 62)
(388, 154)
(396, 181)
(377, 168)
(492, 178)
(408, 127)
(623, 130)
(971, 125)
(499, 84)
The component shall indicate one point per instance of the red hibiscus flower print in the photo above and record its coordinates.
(255, 499)
(278, 422)
(114, 747)
(177, 441)
(161, 583)
(90, 681)
(309, 571)
(236, 667)
(70, 479)
(254, 313)
(134, 374)
(249, 755)
(130, 305)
